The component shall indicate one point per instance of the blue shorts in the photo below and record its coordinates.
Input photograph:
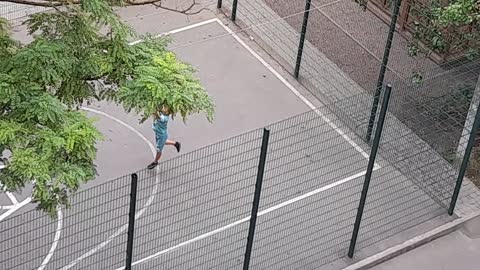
(160, 140)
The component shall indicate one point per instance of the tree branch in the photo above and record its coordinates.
(41, 3)
(58, 3)
(186, 11)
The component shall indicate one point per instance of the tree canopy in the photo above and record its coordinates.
(80, 53)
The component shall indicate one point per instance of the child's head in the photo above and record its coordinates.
(165, 110)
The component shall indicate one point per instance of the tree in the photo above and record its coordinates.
(448, 28)
(451, 28)
(80, 53)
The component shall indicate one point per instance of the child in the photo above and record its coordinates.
(159, 126)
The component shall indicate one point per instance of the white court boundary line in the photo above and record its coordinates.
(293, 89)
(243, 220)
(15, 207)
(179, 30)
(15, 204)
(12, 198)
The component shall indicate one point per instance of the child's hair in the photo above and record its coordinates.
(165, 110)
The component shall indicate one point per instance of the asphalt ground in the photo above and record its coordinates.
(199, 203)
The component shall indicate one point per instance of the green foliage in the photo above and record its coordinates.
(448, 28)
(162, 81)
(79, 54)
(452, 28)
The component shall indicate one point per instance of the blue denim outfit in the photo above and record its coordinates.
(160, 128)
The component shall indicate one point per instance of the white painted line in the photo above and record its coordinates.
(198, 238)
(9, 194)
(56, 239)
(243, 220)
(178, 30)
(313, 192)
(6, 207)
(293, 89)
(12, 198)
(15, 208)
(145, 206)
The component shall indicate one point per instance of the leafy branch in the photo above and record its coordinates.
(448, 29)
(44, 139)
(189, 10)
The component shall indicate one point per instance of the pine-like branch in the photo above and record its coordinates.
(158, 3)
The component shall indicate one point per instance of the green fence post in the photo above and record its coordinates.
(131, 221)
(234, 10)
(465, 161)
(256, 198)
(368, 175)
(383, 69)
(308, 4)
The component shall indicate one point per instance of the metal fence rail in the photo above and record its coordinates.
(195, 210)
(16, 13)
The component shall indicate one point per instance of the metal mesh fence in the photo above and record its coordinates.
(16, 13)
(194, 211)
(343, 55)
(33, 238)
(196, 195)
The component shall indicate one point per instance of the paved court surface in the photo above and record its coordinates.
(199, 204)
(248, 96)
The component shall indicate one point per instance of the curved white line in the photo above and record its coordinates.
(145, 206)
(58, 233)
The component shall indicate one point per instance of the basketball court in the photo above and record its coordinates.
(249, 94)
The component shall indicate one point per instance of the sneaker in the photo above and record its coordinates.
(178, 146)
(152, 165)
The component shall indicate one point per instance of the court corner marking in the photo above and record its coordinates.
(15, 207)
(292, 88)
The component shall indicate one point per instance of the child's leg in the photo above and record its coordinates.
(177, 145)
(160, 139)
(158, 156)
(170, 142)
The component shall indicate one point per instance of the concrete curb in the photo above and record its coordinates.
(412, 243)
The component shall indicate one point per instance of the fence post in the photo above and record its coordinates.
(383, 69)
(465, 160)
(256, 198)
(219, 4)
(368, 175)
(308, 4)
(131, 221)
(234, 10)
